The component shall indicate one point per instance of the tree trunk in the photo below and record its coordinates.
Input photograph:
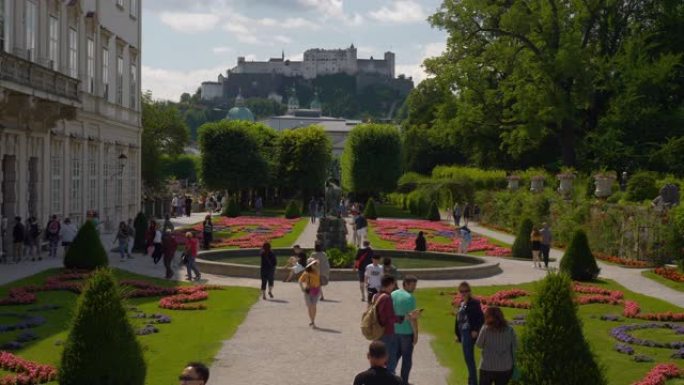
(567, 142)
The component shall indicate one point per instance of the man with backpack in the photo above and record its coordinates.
(33, 239)
(364, 257)
(52, 235)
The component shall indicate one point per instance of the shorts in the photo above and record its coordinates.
(362, 275)
(311, 299)
(371, 293)
(324, 280)
(362, 232)
(536, 245)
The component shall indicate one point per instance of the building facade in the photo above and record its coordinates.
(70, 112)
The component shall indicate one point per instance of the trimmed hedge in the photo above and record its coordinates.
(433, 214)
(232, 209)
(370, 212)
(86, 252)
(292, 210)
(642, 186)
(522, 247)
(101, 348)
(578, 262)
(553, 349)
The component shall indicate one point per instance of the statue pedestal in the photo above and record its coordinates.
(332, 233)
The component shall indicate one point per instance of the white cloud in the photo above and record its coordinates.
(170, 84)
(434, 49)
(221, 50)
(289, 23)
(400, 11)
(283, 39)
(417, 71)
(329, 8)
(190, 22)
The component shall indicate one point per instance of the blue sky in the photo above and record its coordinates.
(186, 42)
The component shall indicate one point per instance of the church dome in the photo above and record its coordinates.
(240, 112)
(316, 103)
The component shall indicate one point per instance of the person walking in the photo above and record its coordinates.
(52, 232)
(188, 206)
(18, 237)
(195, 373)
(546, 240)
(498, 343)
(268, 268)
(467, 213)
(174, 205)
(258, 205)
(310, 283)
(207, 232)
(169, 247)
(388, 268)
(536, 239)
(180, 206)
(312, 210)
(421, 242)
(469, 320)
(191, 251)
(167, 226)
(149, 236)
(131, 234)
(457, 214)
(407, 332)
(466, 237)
(355, 234)
(122, 237)
(364, 258)
(323, 266)
(33, 239)
(373, 275)
(69, 232)
(361, 228)
(157, 244)
(378, 373)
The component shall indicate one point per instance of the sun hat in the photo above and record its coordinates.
(310, 262)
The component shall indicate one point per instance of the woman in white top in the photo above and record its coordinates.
(323, 266)
(68, 233)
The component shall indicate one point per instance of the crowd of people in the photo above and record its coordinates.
(29, 238)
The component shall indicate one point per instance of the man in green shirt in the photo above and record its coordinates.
(407, 331)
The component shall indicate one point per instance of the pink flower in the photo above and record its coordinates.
(660, 374)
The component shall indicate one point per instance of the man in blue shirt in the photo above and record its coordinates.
(407, 331)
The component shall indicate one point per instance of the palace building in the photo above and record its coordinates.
(70, 112)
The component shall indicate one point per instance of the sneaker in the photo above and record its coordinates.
(270, 294)
(188, 278)
(198, 278)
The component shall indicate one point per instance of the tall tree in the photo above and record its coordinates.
(526, 71)
(304, 157)
(371, 161)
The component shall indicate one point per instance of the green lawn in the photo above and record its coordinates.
(399, 262)
(438, 321)
(286, 241)
(378, 243)
(679, 286)
(191, 336)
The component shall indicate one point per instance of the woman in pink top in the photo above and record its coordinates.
(191, 247)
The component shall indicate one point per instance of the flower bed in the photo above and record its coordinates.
(621, 333)
(671, 274)
(404, 232)
(255, 231)
(625, 262)
(28, 372)
(660, 374)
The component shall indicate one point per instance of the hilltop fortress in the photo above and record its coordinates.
(273, 78)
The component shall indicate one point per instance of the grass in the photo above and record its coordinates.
(378, 243)
(679, 286)
(391, 211)
(438, 320)
(399, 262)
(285, 241)
(183, 340)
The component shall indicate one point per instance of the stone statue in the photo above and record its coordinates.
(669, 196)
(333, 193)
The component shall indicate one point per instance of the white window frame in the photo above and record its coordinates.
(76, 174)
(92, 174)
(119, 79)
(90, 61)
(134, 85)
(53, 42)
(105, 72)
(134, 8)
(31, 29)
(73, 52)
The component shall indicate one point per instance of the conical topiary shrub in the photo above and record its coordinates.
(433, 214)
(552, 349)
(102, 348)
(232, 209)
(578, 262)
(292, 210)
(140, 225)
(86, 252)
(370, 212)
(522, 247)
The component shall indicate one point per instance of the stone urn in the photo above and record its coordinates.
(604, 185)
(565, 186)
(537, 184)
(513, 182)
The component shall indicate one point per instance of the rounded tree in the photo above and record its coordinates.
(232, 209)
(101, 348)
(522, 247)
(292, 210)
(370, 212)
(371, 161)
(578, 261)
(433, 214)
(553, 350)
(86, 252)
